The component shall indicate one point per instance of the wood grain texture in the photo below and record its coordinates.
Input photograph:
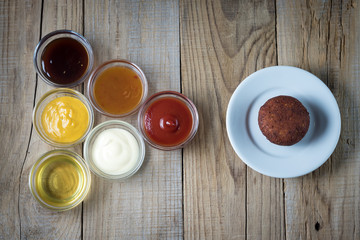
(18, 36)
(36, 221)
(323, 37)
(205, 49)
(149, 204)
(221, 44)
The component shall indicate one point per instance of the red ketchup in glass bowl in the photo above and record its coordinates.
(168, 120)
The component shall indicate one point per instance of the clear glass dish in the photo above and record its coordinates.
(46, 40)
(116, 63)
(48, 97)
(168, 94)
(89, 142)
(63, 158)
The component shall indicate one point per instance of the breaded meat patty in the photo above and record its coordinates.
(283, 120)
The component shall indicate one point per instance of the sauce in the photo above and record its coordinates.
(115, 151)
(118, 90)
(168, 121)
(64, 60)
(59, 180)
(65, 119)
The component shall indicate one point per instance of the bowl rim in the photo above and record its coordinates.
(57, 34)
(115, 123)
(107, 65)
(47, 96)
(171, 94)
(82, 163)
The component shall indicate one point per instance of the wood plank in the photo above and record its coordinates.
(221, 44)
(36, 221)
(149, 204)
(18, 36)
(323, 37)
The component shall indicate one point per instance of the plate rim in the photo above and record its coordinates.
(282, 68)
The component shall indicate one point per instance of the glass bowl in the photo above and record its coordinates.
(46, 99)
(172, 95)
(60, 180)
(89, 146)
(48, 39)
(116, 63)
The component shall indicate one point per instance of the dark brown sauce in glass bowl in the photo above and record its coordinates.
(64, 60)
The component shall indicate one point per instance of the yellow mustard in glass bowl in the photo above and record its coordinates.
(63, 117)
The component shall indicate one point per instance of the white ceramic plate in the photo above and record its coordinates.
(252, 146)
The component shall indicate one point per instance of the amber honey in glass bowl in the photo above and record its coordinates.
(117, 88)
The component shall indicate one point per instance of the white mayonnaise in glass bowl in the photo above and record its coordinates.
(114, 150)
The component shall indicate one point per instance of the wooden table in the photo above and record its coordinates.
(203, 49)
